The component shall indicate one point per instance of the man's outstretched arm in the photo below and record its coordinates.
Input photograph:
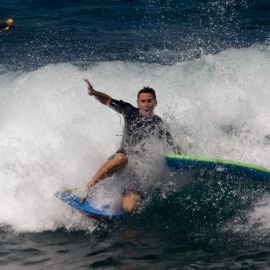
(101, 97)
(117, 105)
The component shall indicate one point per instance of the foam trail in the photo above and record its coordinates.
(53, 135)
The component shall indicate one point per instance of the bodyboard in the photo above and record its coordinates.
(182, 163)
(88, 208)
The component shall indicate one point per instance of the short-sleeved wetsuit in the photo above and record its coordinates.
(137, 128)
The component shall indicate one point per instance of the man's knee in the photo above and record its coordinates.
(120, 159)
(130, 201)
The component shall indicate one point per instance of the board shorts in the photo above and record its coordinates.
(126, 152)
(119, 151)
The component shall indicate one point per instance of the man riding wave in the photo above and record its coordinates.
(140, 124)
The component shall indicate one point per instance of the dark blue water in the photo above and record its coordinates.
(78, 31)
(216, 223)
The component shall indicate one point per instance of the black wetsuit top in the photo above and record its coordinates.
(138, 129)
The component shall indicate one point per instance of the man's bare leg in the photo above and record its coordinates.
(109, 168)
(130, 199)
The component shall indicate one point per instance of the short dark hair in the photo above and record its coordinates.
(147, 90)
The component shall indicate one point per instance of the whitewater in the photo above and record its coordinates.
(53, 135)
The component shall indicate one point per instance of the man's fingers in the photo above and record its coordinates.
(88, 83)
(86, 80)
(89, 86)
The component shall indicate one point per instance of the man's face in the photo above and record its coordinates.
(146, 104)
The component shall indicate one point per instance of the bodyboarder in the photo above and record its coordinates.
(140, 124)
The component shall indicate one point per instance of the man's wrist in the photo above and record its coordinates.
(109, 101)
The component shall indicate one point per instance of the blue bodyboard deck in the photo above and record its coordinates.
(181, 163)
(87, 207)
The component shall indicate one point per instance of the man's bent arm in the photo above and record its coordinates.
(170, 141)
(101, 97)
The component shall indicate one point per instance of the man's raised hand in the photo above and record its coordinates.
(90, 88)
(101, 97)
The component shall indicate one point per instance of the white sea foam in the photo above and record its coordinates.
(53, 135)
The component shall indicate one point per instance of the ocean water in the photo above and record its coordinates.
(209, 62)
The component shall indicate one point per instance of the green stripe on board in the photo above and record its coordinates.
(218, 161)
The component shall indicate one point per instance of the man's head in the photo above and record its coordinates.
(146, 101)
